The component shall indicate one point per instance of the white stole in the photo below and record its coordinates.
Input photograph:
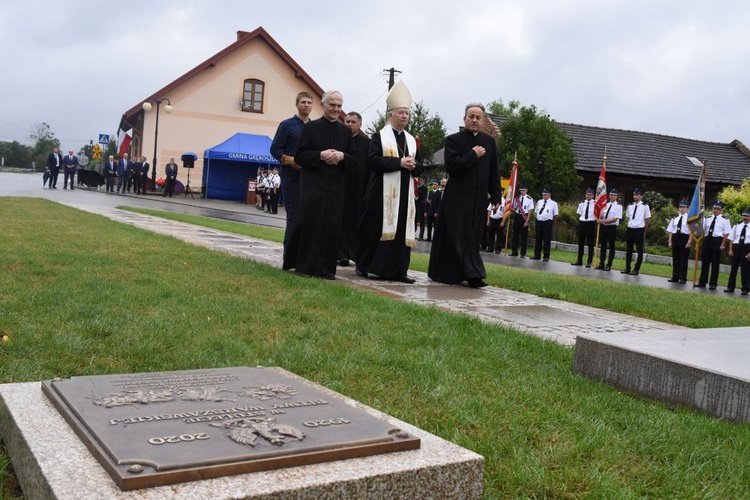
(392, 189)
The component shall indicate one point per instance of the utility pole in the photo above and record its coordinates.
(391, 76)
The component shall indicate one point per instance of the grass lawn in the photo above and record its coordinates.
(83, 295)
(668, 306)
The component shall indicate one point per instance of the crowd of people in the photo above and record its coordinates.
(386, 206)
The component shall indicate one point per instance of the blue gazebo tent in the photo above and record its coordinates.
(227, 166)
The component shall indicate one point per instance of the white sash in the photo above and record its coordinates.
(392, 189)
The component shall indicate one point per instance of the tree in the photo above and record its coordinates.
(545, 154)
(429, 129)
(16, 154)
(44, 141)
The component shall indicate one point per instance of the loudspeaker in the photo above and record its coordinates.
(188, 161)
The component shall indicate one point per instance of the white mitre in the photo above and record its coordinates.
(398, 97)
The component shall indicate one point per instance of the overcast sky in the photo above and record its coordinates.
(677, 68)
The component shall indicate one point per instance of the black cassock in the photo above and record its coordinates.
(387, 259)
(454, 256)
(315, 231)
(354, 194)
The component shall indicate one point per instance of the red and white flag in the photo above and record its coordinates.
(510, 193)
(123, 141)
(600, 198)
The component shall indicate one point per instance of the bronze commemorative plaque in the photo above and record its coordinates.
(153, 429)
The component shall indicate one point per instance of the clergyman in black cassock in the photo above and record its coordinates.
(471, 163)
(354, 190)
(324, 151)
(387, 259)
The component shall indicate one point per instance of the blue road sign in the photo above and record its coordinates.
(103, 139)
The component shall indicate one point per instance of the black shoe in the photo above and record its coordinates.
(576, 263)
(682, 282)
(712, 287)
(428, 239)
(607, 268)
(497, 251)
(546, 259)
(588, 266)
(360, 272)
(745, 292)
(65, 187)
(673, 280)
(513, 255)
(343, 262)
(626, 271)
(405, 279)
(72, 188)
(476, 283)
(700, 285)
(523, 255)
(634, 273)
(533, 258)
(329, 276)
(729, 290)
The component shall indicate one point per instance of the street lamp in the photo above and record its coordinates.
(167, 109)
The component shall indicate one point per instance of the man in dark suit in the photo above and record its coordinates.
(171, 172)
(124, 169)
(421, 206)
(142, 175)
(433, 205)
(110, 172)
(71, 162)
(54, 160)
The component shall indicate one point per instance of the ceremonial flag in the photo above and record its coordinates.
(600, 198)
(123, 141)
(698, 205)
(510, 193)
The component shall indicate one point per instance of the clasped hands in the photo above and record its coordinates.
(331, 156)
(408, 162)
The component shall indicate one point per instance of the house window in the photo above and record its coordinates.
(252, 96)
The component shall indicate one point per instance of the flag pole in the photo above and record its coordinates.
(511, 187)
(602, 177)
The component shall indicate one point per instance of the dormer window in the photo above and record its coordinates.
(252, 96)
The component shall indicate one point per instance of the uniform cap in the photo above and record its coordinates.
(523, 187)
(637, 191)
(546, 191)
(590, 190)
(398, 97)
(746, 211)
(614, 191)
(684, 203)
(718, 204)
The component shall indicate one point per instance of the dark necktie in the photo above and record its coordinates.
(586, 215)
(679, 225)
(606, 216)
(543, 205)
(742, 234)
(711, 229)
(635, 210)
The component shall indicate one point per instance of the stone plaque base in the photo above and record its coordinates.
(155, 429)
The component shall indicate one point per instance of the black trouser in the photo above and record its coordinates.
(494, 235)
(739, 253)
(69, 175)
(634, 237)
(110, 180)
(520, 234)
(608, 235)
(53, 173)
(273, 201)
(586, 233)
(745, 268)
(419, 218)
(680, 256)
(169, 187)
(430, 220)
(710, 259)
(543, 237)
